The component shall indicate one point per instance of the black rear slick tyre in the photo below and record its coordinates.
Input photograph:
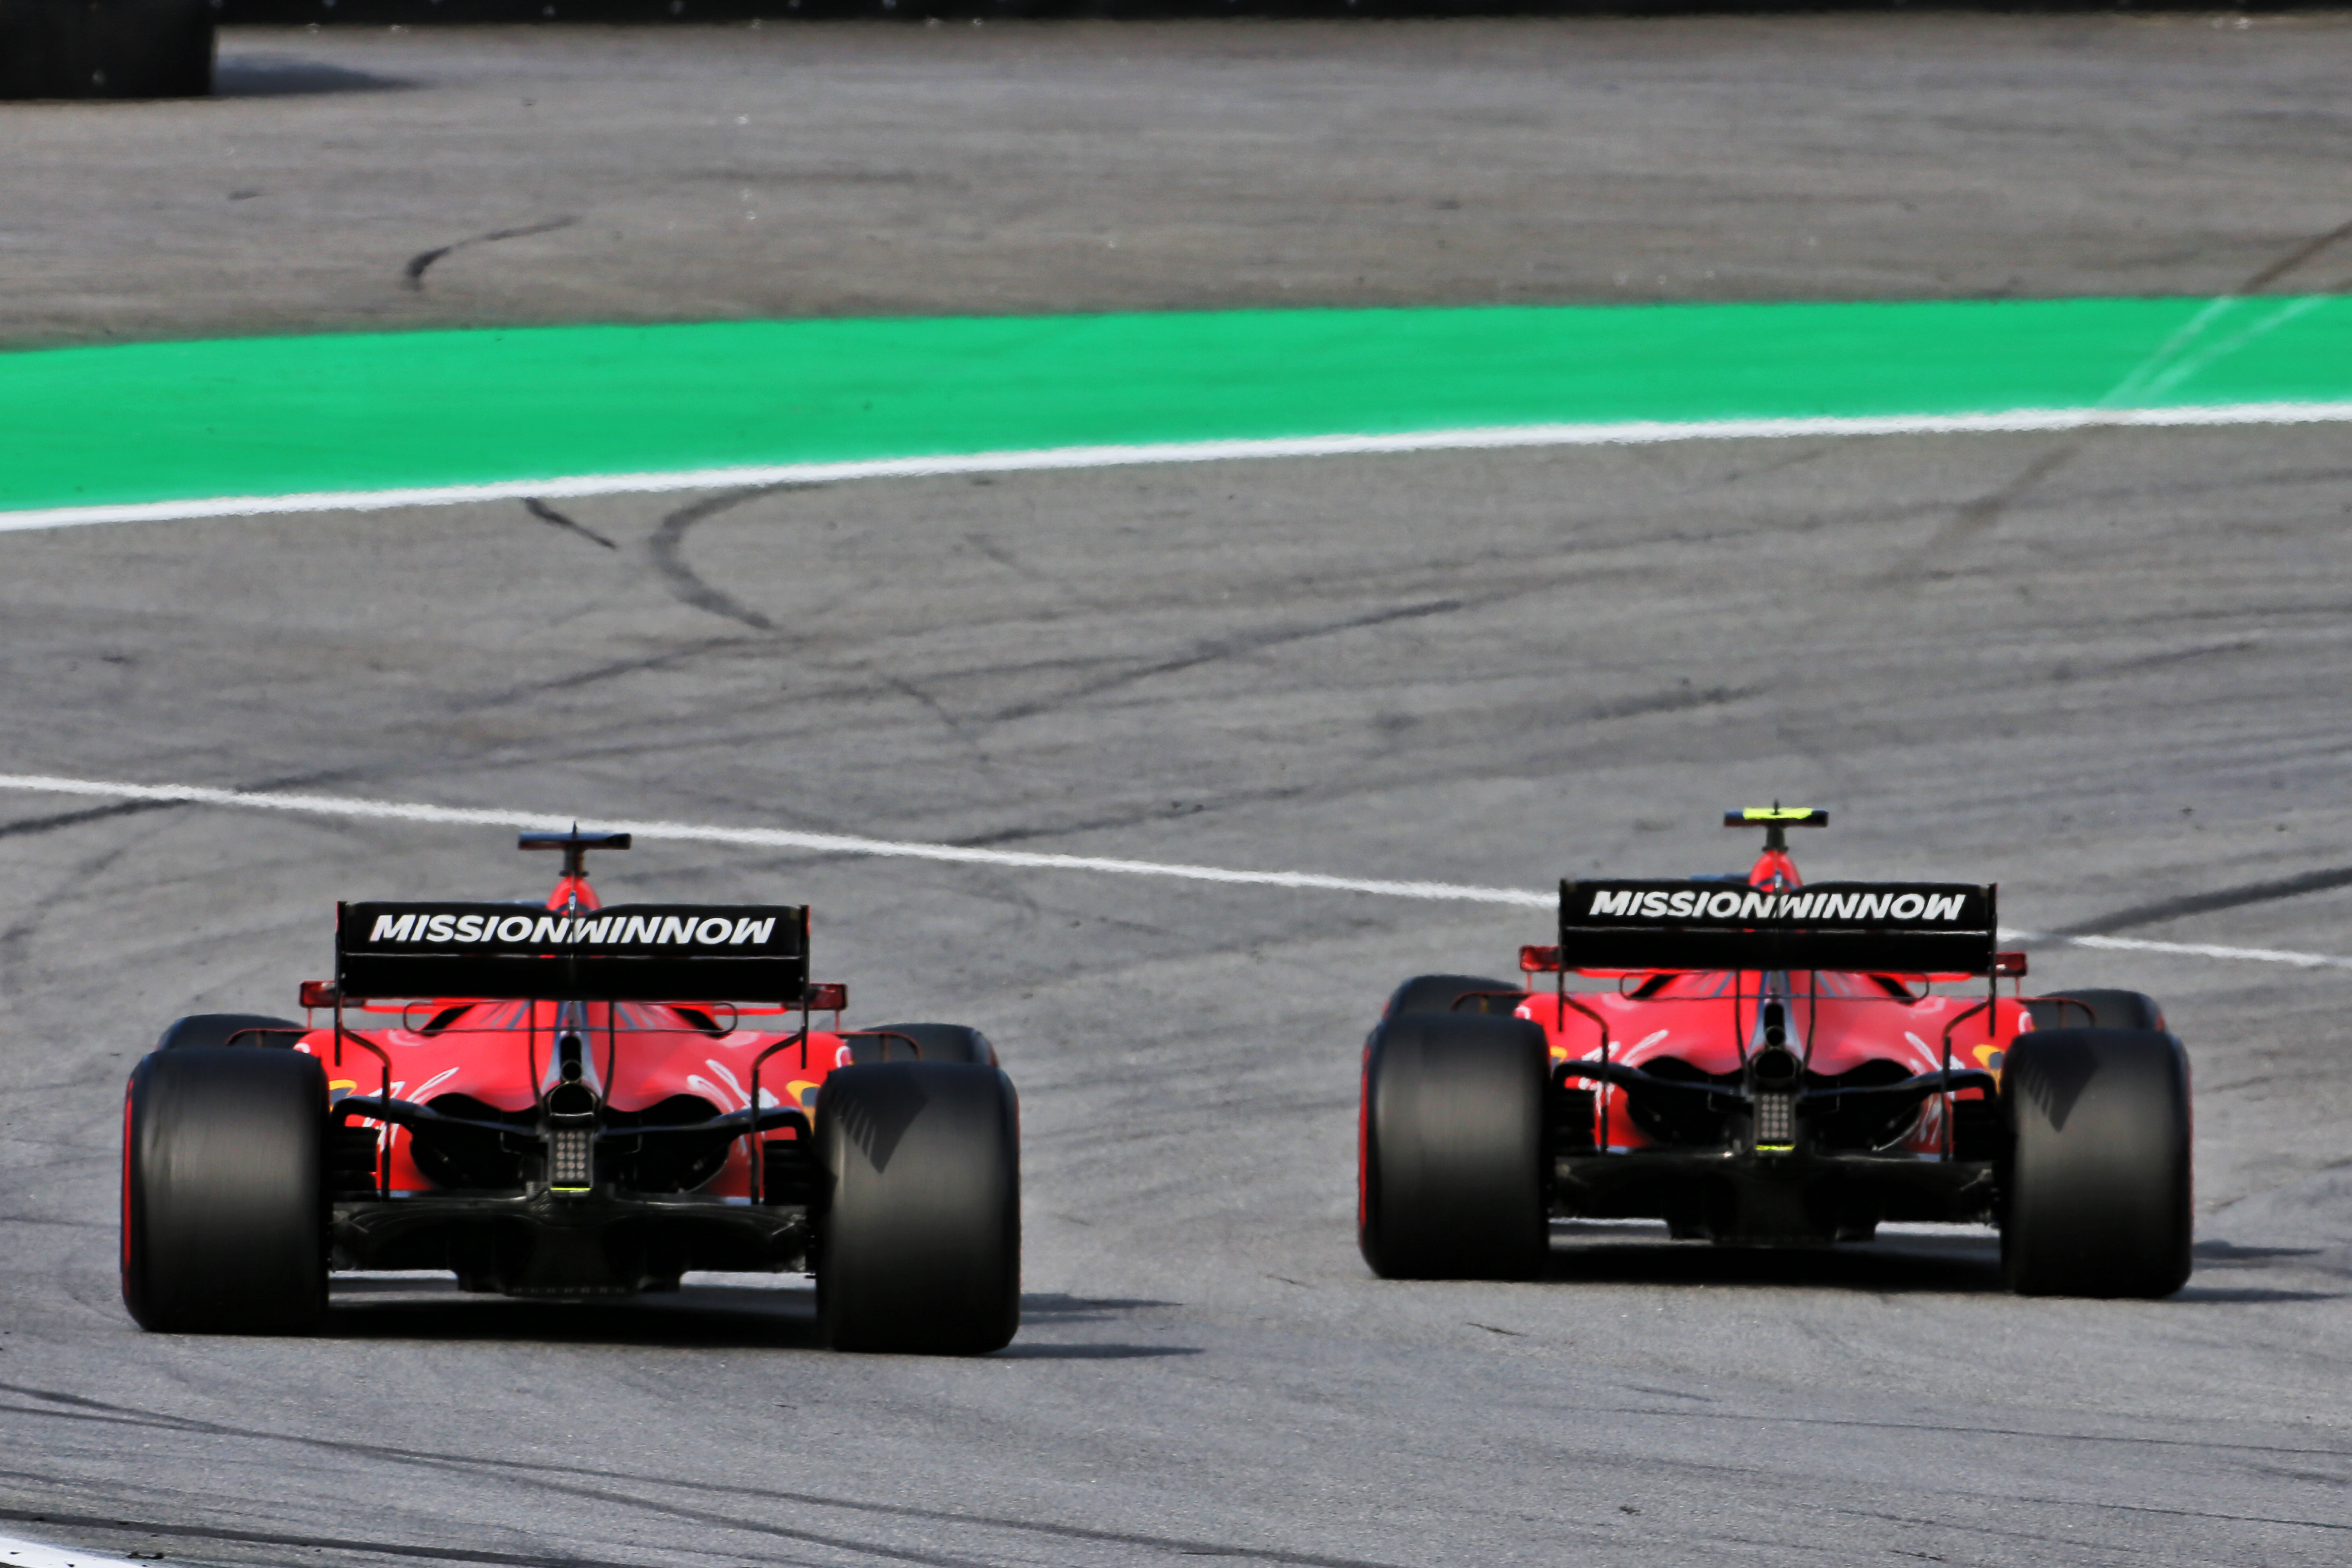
(1453, 993)
(2096, 1009)
(2097, 1195)
(224, 1192)
(106, 48)
(922, 1042)
(1451, 1179)
(918, 1248)
(229, 1029)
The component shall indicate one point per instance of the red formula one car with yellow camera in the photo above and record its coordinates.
(569, 1101)
(1771, 1062)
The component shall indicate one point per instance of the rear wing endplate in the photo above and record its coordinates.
(1890, 928)
(629, 952)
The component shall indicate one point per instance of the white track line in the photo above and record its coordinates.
(15, 1553)
(760, 837)
(1630, 434)
(2180, 949)
(842, 844)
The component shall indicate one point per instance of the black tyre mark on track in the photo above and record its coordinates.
(2294, 258)
(2206, 903)
(2179, 656)
(1678, 700)
(546, 513)
(80, 1407)
(1975, 517)
(1028, 573)
(666, 547)
(33, 824)
(592, 677)
(1222, 648)
(2097, 1504)
(1981, 514)
(17, 938)
(1115, 820)
(1034, 1352)
(412, 274)
(30, 826)
(1855, 1423)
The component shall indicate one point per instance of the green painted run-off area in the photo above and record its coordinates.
(280, 415)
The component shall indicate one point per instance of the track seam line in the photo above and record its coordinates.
(905, 850)
(1631, 433)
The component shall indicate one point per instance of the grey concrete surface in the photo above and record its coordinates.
(691, 173)
(2105, 670)
(1491, 668)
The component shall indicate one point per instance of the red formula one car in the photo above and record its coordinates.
(570, 1101)
(1773, 1065)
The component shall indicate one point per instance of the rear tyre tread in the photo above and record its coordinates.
(1452, 1178)
(2097, 1192)
(919, 1245)
(224, 1192)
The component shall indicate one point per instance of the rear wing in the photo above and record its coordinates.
(1893, 928)
(630, 953)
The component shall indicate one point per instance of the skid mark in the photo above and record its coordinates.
(412, 273)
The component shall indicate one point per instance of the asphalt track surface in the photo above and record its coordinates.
(2105, 669)
(374, 178)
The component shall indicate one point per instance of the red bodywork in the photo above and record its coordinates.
(1847, 1029)
(1769, 1106)
(1852, 1023)
(672, 1063)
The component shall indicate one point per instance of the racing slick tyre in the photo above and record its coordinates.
(922, 1042)
(106, 48)
(212, 1029)
(224, 1192)
(2106, 1009)
(1450, 1182)
(918, 1248)
(2097, 1200)
(1439, 993)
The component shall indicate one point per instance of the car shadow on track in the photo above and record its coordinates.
(1064, 1308)
(2248, 1296)
(699, 1317)
(283, 76)
(1962, 1264)
(1033, 1350)
(725, 1317)
(664, 1322)
(2228, 1254)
